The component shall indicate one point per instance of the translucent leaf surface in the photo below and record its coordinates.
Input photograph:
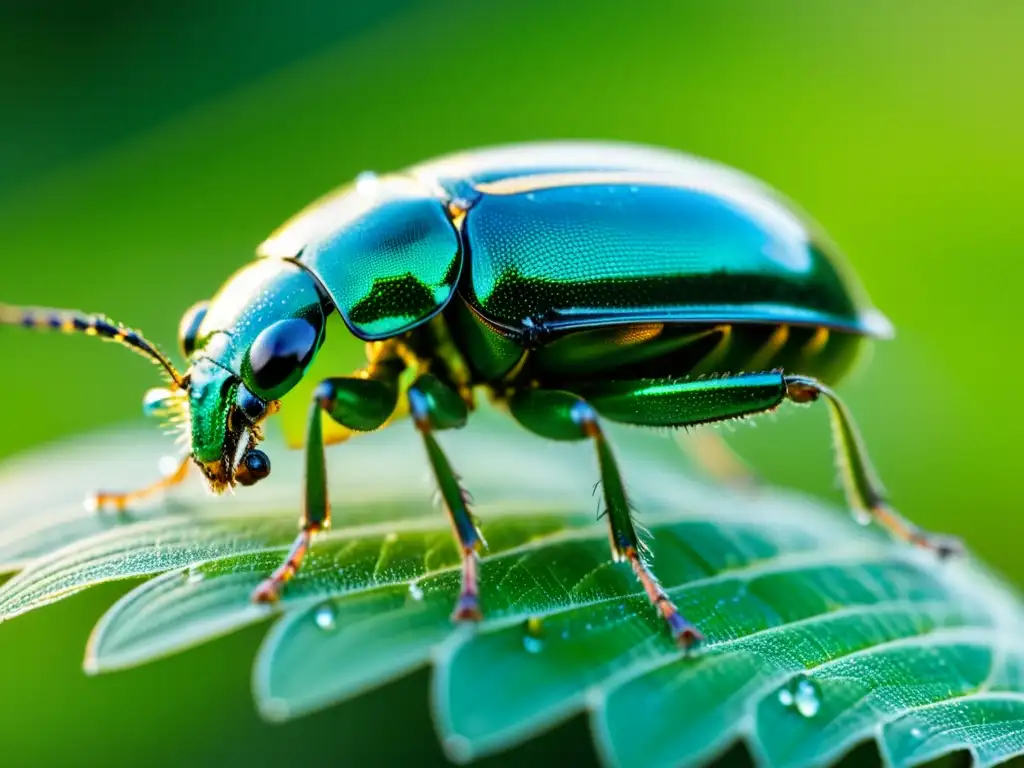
(821, 634)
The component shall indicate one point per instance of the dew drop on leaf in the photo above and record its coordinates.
(325, 617)
(862, 516)
(415, 591)
(801, 694)
(533, 630)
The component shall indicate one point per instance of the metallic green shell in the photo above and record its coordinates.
(589, 249)
(569, 235)
(564, 236)
(383, 249)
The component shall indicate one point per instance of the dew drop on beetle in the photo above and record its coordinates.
(366, 183)
(168, 465)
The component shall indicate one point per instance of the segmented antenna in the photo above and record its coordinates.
(72, 321)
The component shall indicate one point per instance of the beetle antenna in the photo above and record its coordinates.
(72, 321)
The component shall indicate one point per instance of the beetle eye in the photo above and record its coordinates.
(280, 354)
(188, 329)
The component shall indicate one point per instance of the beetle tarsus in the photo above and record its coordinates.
(270, 590)
(684, 633)
(467, 607)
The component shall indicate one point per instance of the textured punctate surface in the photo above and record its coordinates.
(574, 250)
(383, 249)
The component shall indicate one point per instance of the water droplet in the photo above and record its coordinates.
(366, 182)
(533, 631)
(168, 465)
(325, 617)
(565, 633)
(801, 694)
(862, 516)
(916, 733)
(415, 591)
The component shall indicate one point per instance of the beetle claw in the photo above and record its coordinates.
(467, 608)
(945, 547)
(266, 593)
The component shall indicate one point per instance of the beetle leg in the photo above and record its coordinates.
(667, 403)
(362, 402)
(564, 416)
(435, 406)
(864, 490)
(119, 501)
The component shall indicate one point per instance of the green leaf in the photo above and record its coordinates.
(821, 633)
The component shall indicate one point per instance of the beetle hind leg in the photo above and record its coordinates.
(561, 415)
(864, 490)
(667, 403)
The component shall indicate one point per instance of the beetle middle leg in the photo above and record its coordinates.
(559, 415)
(362, 402)
(435, 406)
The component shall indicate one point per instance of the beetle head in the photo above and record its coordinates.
(247, 348)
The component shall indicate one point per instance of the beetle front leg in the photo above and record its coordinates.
(120, 501)
(435, 406)
(561, 415)
(363, 402)
(864, 490)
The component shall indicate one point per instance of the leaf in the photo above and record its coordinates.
(821, 634)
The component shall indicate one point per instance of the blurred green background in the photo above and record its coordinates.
(145, 149)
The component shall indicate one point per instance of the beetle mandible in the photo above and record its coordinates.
(575, 282)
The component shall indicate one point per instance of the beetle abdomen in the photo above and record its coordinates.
(658, 351)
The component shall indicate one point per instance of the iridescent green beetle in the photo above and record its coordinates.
(574, 282)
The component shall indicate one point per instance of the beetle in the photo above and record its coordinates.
(574, 282)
